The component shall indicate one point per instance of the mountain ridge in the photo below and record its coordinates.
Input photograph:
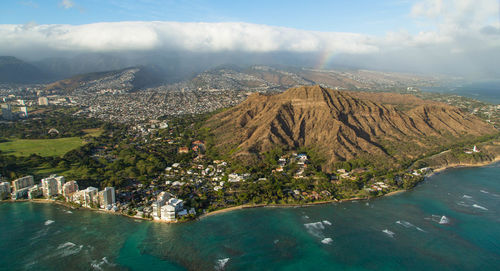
(342, 125)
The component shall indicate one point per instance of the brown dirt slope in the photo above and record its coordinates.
(340, 126)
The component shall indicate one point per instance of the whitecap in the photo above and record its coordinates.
(405, 224)
(461, 203)
(327, 241)
(48, 222)
(65, 245)
(221, 263)
(486, 192)
(479, 207)
(434, 218)
(97, 265)
(389, 233)
(444, 220)
(467, 197)
(67, 249)
(315, 228)
(40, 233)
(326, 222)
(69, 212)
(420, 229)
(367, 204)
(305, 217)
(276, 241)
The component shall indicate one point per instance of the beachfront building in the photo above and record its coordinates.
(90, 196)
(166, 207)
(69, 188)
(49, 187)
(107, 197)
(87, 197)
(20, 193)
(60, 180)
(177, 203)
(162, 199)
(168, 213)
(35, 192)
(4, 190)
(24, 182)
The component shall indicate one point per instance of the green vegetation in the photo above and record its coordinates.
(42, 147)
(120, 155)
(48, 123)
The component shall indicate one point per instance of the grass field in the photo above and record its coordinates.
(45, 147)
(94, 132)
(42, 147)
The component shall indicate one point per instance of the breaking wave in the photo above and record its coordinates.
(48, 222)
(327, 241)
(444, 220)
(407, 224)
(97, 265)
(389, 233)
(479, 207)
(67, 249)
(316, 228)
(221, 263)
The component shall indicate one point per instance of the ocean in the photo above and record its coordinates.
(449, 222)
(485, 91)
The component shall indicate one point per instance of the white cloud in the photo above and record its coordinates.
(450, 30)
(199, 37)
(67, 4)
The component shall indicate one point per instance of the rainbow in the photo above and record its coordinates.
(324, 59)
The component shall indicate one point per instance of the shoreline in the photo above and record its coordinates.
(462, 165)
(435, 171)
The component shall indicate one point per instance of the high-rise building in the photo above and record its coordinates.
(60, 183)
(168, 212)
(4, 190)
(6, 112)
(109, 196)
(90, 196)
(35, 192)
(49, 187)
(24, 182)
(43, 101)
(162, 199)
(177, 203)
(20, 193)
(69, 188)
(24, 111)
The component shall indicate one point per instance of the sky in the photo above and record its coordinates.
(366, 16)
(398, 34)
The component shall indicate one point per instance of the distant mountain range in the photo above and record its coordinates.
(125, 80)
(101, 71)
(13, 70)
(381, 127)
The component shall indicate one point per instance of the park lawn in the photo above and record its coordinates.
(42, 147)
(94, 132)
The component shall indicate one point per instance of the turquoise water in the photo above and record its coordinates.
(275, 238)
